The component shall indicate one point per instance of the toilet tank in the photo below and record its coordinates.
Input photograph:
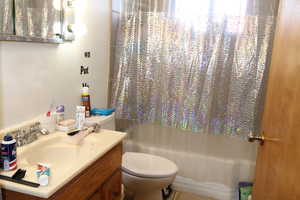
(106, 122)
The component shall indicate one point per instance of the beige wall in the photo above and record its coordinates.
(32, 74)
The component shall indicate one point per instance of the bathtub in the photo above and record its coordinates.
(209, 165)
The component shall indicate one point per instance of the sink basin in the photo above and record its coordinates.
(55, 152)
(49, 155)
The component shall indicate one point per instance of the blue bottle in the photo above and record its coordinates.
(9, 153)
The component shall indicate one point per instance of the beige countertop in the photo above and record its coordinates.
(65, 159)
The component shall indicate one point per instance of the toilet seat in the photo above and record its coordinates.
(147, 166)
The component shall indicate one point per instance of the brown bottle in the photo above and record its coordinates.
(86, 101)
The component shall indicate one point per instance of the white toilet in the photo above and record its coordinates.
(144, 175)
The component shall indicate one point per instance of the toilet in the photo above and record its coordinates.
(144, 175)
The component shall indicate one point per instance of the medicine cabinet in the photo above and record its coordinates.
(36, 20)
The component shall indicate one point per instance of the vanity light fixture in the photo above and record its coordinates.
(69, 20)
(77, 29)
(70, 28)
(70, 3)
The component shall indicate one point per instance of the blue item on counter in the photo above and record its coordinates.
(102, 111)
(9, 153)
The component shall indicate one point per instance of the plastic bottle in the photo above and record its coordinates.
(80, 116)
(60, 114)
(85, 100)
(9, 153)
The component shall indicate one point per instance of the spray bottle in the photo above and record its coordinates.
(85, 99)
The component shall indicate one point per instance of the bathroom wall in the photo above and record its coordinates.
(32, 75)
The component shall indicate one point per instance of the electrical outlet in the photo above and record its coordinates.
(87, 54)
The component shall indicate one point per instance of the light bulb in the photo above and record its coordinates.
(77, 29)
(57, 4)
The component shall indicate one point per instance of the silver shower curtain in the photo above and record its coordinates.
(198, 65)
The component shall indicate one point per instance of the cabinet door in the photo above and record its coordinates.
(96, 196)
(111, 190)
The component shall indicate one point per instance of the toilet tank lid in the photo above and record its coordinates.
(146, 165)
(101, 119)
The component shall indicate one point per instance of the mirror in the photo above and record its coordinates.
(6, 17)
(38, 19)
(35, 20)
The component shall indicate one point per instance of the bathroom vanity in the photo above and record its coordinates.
(91, 172)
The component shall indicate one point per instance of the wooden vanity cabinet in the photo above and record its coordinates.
(100, 181)
(110, 190)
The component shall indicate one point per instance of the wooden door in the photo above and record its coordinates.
(278, 163)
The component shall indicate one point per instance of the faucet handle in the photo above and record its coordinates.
(44, 131)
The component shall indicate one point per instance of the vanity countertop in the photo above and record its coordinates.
(66, 160)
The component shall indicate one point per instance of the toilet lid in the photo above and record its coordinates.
(149, 166)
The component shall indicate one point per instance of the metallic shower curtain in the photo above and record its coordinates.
(198, 65)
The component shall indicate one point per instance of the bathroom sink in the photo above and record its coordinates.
(65, 158)
(54, 151)
(49, 155)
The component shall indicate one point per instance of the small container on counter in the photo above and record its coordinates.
(60, 113)
(43, 174)
(66, 125)
(80, 117)
(9, 153)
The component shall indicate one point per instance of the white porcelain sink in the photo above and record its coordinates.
(54, 151)
(65, 160)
